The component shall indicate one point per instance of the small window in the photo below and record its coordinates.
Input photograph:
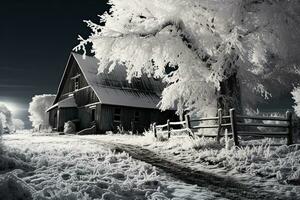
(117, 115)
(76, 83)
(136, 116)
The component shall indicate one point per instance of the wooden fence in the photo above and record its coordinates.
(239, 125)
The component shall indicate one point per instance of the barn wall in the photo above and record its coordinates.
(98, 117)
(146, 117)
(52, 121)
(64, 115)
(85, 117)
(85, 97)
(106, 118)
(69, 84)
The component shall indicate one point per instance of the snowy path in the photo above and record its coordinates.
(226, 186)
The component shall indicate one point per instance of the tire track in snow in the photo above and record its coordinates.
(227, 187)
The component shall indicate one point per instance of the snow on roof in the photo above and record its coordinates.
(113, 88)
(66, 103)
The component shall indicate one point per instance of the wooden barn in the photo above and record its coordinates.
(105, 101)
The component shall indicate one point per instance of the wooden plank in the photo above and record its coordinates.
(264, 125)
(219, 124)
(233, 126)
(262, 118)
(168, 128)
(162, 126)
(177, 123)
(263, 134)
(207, 126)
(154, 130)
(205, 119)
(225, 125)
(188, 125)
(290, 128)
(226, 117)
(187, 121)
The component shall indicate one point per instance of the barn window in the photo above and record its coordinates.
(136, 116)
(117, 115)
(76, 83)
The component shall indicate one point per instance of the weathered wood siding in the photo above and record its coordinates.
(64, 115)
(127, 118)
(69, 83)
(84, 117)
(85, 97)
(98, 117)
(52, 118)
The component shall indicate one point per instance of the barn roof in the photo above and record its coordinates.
(113, 88)
(66, 103)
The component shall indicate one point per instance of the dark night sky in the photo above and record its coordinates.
(36, 38)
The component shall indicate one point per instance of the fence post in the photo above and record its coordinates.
(233, 126)
(168, 128)
(220, 124)
(154, 130)
(187, 122)
(188, 125)
(290, 127)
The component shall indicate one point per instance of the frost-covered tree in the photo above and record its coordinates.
(18, 124)
(216, 48)
(6, 122)
(37, 110)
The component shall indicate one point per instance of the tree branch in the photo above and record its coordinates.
(179, 26)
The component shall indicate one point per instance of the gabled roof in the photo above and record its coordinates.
(113, 88)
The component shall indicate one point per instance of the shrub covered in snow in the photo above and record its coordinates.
(37, 110)
(69, 127)
(296, 97)
(205, 143)
(6, 123)
(18, 124)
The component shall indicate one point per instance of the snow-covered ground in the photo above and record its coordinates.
(72, 168)
(276, 168)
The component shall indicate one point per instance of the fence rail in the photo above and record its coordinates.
(237, 124)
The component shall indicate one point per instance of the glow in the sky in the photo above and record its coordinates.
(13, 107)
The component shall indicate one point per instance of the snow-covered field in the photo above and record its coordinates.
(258, 162)
(72, 168)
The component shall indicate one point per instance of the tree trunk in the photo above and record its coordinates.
(229, 94)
